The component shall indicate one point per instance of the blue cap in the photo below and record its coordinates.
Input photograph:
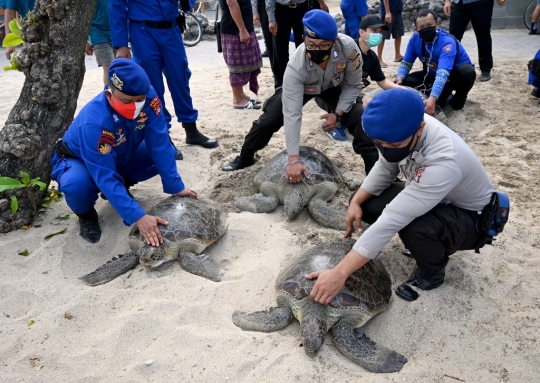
(128, 77)
(319, 25)
(393, 115)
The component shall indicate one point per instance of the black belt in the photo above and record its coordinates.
(62, 150)
(293, 4)
(156, 24)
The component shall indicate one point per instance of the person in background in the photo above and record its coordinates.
(156, 41)
(535, 17)
(447, 66)
(241, 51)
(479, 14)
(11, 8)
(260, 19)
(99, 41)
(353, 11)
(391, 12)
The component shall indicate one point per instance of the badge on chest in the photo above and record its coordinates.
(312, 89)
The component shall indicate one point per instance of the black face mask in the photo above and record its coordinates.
(318, 56)
(395, 154)
(428, 34)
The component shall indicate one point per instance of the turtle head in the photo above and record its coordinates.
(313, 329)
(295, 198)
(151, 256)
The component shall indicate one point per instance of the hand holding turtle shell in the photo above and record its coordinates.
(148, 226)
(294, 172)
(329, 284)
(187, 193)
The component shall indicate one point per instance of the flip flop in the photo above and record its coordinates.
(398, 61)
(384, 65)
(255, 101)
(250, 105)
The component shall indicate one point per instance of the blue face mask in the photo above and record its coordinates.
(374, 39)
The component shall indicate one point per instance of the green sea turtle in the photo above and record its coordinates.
(194, 224)
(314, 192)
(366, 293)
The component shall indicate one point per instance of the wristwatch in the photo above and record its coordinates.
(338, 117)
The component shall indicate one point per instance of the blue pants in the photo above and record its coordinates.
(352, 25)
(161, 51)
(78, 186)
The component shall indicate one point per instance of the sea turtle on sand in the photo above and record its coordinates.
(366, 293)
(314, 192)
(194, 224)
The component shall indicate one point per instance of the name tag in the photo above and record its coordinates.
(312, 89)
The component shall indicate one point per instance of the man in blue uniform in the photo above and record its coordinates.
(447, 67)
(156, 41)
(118, 139)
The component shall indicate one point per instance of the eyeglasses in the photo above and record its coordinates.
(322, 47)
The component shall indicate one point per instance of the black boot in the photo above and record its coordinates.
(242, 161)
(179, 155)
(424, 280)
(194, 137)
(89, 226)
(369, 161)
(485, 75)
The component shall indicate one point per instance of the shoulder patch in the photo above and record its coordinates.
(156, 105)
(447, 48)
(354, 55)
(357, 63)
(106, 141)
(418, 173)
(142, 117)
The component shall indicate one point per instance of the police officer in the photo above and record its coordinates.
(118, 139)
(156, 41)
(328, 66)
(447, 66)
(435, 211)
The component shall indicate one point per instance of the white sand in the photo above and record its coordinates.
(480, 326)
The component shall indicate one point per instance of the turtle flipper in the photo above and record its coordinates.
(363, 351)
(328, 214)
(112, 269)
(257, 203)
(272, 319)
(200, 264)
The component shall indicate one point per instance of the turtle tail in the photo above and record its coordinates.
(112, 269)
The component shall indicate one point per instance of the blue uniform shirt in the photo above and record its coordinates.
(440, 57)
(106, 141)
(139, 10)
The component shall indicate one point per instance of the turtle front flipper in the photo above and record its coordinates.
(201, 264)
(272, 319)
(112, 269)
(328, 214)
(257, 203)
(363, 351)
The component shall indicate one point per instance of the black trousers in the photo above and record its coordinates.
(479, 14)
(287, 19)
(268, 37)
(461, 80)
(432, 237)
(272, 120)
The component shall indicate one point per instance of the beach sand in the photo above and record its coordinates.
(167, 325)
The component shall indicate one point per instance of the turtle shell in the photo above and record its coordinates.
(320, 168)
(196, 220)
(368, 288)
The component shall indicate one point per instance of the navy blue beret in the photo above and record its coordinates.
(393, 115)
(319, 25)
(128, 77)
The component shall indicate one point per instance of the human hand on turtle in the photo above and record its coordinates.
(294, 172)
(187, 193)
(148, 226)
(329, 284)
(353, 215)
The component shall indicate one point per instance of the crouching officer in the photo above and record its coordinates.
(446, 65)
(118, 139)
(435, 212)
(328, 66)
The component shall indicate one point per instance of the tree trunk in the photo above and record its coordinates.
(53, 64)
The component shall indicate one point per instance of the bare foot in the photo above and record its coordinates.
(383, 64)
(398, 59)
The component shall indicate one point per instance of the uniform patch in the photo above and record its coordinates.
(312, 89)
(156, 105)
(418, 173)
(115, 117)
(310, 32)
(121, 137)
(118, 84)
(105, 143)
(142, 117)
(447, 48)
(337, 79)
(357, 63)
(139, 127)
(340, 66)
(354, 55)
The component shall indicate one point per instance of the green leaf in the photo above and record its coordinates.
(8, 183)
(42, 185)
(49, 236)
(24, 253)
(25, 178)
(62, 217)
(30, 322)
(12, 40)
(14, 27)
(14, 204)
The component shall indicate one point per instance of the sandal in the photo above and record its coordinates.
(255, 101)
(250, 105)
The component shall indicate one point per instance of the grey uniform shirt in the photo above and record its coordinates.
(302, 76)
(442, 169)
(271, 7)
